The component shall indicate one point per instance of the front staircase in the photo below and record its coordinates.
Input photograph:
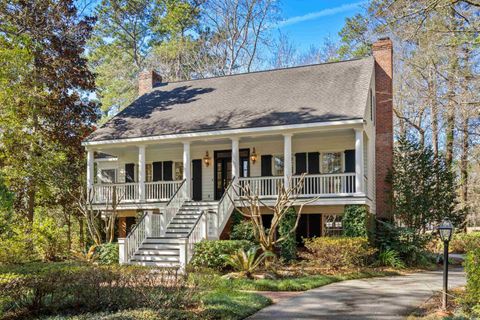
(164, 251)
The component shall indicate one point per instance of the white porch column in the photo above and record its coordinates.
(90, 169)
(122, 251)
(287, 158)
(235, 159)
(141, 173)
(359, 160)
(186, 168)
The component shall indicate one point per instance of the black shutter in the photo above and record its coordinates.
(300, 163)
(266, 165)
(168, 170)
(313, 162)
(157, 171)
(129, 172)
(349, 160)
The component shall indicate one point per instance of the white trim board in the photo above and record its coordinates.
(295, 128)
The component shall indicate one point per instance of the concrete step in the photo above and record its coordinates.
(183, 221)
(171, 230)
(157, 252)
(175, 224)
(138, 257)
(169, 264)
(168, 240)
(159, 246)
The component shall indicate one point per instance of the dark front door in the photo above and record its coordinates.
(197, 179)
(223, 172)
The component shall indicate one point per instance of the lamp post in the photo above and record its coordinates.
(446, 230)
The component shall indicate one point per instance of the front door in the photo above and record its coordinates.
(223, 172)
(197, 179)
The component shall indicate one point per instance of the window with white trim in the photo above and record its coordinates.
(332, 162)
(278, 165)
(178, 170)
(108, 175)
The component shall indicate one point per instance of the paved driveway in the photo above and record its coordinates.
(376, 298)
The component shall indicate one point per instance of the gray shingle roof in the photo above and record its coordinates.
(315, 93)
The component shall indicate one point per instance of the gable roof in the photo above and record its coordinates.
(307, 94)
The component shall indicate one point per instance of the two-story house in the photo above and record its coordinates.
(167, 161)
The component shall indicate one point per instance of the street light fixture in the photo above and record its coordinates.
(446, 230)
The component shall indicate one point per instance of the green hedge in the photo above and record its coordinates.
(354, 221)
(210, 254)
(472, 292)
(288, 247)
(464, 242)
(108, 253)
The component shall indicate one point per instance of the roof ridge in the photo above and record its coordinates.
(263, 71)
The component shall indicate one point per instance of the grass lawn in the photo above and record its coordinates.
(301, 283)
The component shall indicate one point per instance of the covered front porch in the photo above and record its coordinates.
(337, 164)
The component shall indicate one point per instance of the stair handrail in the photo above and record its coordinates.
(174, 205)
(198, 233)
(135, 238)
(225, 207)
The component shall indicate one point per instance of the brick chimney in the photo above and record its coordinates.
(383, 55)
(147, 80)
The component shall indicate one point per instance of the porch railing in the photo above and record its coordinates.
(129, 192)
(116, 192)
(261, 186)
(326, 184)
(158, 191)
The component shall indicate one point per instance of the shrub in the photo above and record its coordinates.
(80, 288)
(337, 253)
(354, 221)
(390, 258)
(211, 254)
(243, 230)
(464, 242)
(245, 263)
(16, 245)
(288, 247)
(107, 253)
(472, 291)
(410, 245)
(49, 238)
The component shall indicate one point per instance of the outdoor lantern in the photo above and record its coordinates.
(206, 159)
(253, 156)
(446, 230)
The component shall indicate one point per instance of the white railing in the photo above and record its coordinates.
(175, 203)
(225, 208)
(136, 237)
(198, 233)
(262, 186)
(116, 192)
(150, 225)
(326, 184)
(160, 191)
(129, 192)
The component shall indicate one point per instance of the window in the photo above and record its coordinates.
(108, 175)
(333, 225)
(178, 171)
(332, 162)
(148, 172)
(278, 165)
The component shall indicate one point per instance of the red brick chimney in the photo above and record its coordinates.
(147, 80)
(383, 55)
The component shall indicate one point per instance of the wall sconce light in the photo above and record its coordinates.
(253, 156)
(206, 159)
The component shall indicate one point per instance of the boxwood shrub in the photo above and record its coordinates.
(210, 253)
(472, 293)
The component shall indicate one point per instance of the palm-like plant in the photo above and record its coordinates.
(245, 263)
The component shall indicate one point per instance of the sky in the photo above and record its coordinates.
(309, 22)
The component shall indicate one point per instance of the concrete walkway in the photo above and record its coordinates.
(376, 298)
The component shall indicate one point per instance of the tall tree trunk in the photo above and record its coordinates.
(81, 232)
(452, 74)
(432, 88)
